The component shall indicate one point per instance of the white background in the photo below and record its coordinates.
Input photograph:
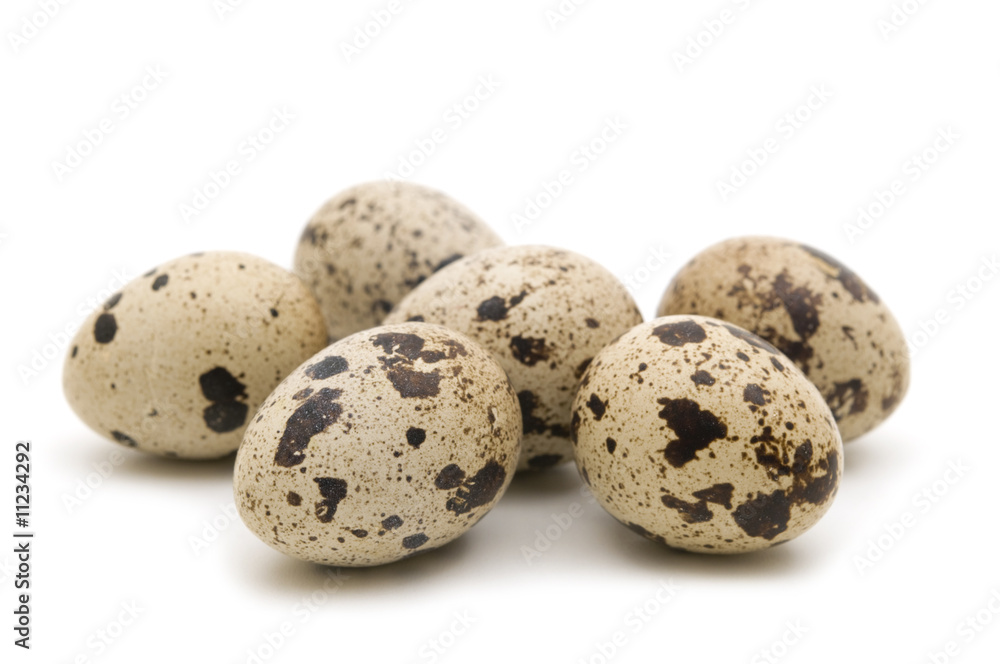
(655, 189)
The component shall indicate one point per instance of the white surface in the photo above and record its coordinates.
(655, 188)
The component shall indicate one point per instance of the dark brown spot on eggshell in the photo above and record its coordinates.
(532, 423)
(415, 437)
(227, 412)
(720, 494)
(415, 541)
(695, 428)
(312, 417)
(817, 490)
(478, 490)
(802, 307)
(496, 308)
(392, 522)
(332, 491)
(409, 346)
(681, 333)
(801, 304)
(690, 512)
(851, 282)
(414, 384)
(597, 407)
(769, 456)
(105, 328)
(755, 394)
(702, 377)
(450, 477)
(226, 416)
(528, 350)
(124, 439)
(327, 367)
(402, 351)
(699, 512)
(765, 516)
(219, 384)
(847, 398)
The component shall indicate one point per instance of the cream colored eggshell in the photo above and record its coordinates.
(544, 313)
(815, 310)
(176, 362)
(370, 245)
(390, 442)
(700, 435)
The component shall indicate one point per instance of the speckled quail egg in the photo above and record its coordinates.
(815, 310)
(370, 245)
(544, 313)
(175, 362)
(392, 441)
(700, 435)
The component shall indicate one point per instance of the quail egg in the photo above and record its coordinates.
(702, 436)
(390, 442)
(175, 362)
(370, 245)
(811, 307)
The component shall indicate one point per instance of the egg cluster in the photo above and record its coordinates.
(382, 396)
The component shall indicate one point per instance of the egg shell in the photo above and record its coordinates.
(390, 442)
(544, 313)
(702, 436)
(177, 361)
(812, 308)
(370, 245)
